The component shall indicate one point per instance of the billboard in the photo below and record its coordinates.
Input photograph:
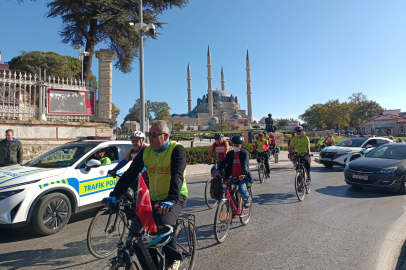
(72, 102)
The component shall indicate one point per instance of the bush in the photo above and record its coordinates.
(198, 154)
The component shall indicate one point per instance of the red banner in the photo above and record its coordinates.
(72, 102)
(144, 208)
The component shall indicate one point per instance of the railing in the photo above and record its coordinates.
(24, 96)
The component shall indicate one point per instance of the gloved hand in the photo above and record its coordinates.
(107, 201)
(112, 173)
(206, 161)
(164, 207)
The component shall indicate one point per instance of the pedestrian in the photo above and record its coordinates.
(11, 150)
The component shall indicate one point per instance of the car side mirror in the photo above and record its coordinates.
(368, 146)
(93, 163)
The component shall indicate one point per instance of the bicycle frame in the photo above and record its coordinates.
(236, 210)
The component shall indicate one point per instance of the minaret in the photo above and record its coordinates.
(189, 89)
(248, 69)
(209, 78)
(223, 82)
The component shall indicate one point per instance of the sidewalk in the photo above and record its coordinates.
(284, 163)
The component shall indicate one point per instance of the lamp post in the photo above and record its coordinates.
(81, 56)
(141, 28)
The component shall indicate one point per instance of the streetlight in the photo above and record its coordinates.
(142, 28)
(82, 54)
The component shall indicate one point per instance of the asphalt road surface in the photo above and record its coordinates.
(335, 227)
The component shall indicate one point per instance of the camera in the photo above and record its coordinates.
(151, 29)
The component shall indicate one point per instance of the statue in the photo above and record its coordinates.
(270, 127)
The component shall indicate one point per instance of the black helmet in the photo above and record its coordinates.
(237, 139)
(299, 128)
(218, 136)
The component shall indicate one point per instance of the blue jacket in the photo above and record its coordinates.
(227, 164)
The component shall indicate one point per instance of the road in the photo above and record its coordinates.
(335, 227)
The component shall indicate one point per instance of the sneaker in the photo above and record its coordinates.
(174, 266)
(247, 204)
(309, 177)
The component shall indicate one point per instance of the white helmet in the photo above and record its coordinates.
(137, 134)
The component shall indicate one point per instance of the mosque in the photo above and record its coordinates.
(217, 105)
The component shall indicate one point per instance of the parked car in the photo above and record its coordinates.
(45, 191)
(383, 168)
(349, 150)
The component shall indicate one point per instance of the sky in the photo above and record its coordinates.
(302, 52)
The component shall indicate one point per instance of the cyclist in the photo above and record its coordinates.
(220, 146)
(290, 139)
(301, 143)
(261, 146)
(272, 143)
(165, 161)
(329, 141)
(236, 163)
(320, 143)
(137, 140)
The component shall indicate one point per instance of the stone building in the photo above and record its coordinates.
(217, 106)
(387, 122)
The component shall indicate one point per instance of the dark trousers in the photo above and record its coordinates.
(266, 160)
(307, 166)
(166, 219)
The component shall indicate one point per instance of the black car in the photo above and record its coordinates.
(383, 168)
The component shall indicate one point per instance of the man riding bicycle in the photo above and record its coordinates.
(137, 140)
(272, 143)
(261, 146)
(301, 143)
(236, 163)
(220, 146)
(329, 141)
(165, 161)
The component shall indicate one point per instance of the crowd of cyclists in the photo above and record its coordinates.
(163, 163)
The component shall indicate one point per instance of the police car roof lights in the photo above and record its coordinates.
(96, 138)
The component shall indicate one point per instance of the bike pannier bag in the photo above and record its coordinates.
(216, 189)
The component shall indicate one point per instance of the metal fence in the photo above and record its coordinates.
(23, 96)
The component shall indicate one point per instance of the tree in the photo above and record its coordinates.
(55, 65)
(282, 123)
(90, 22)
(256, 126)
(160, 110)
(114, 113)
(362, 109)
(178, 126)
(199, 127)
(134, 112)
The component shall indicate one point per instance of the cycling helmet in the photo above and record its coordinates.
(237, 139)
(261, 135)
(137, 134)
(299, 128)
(218, 136)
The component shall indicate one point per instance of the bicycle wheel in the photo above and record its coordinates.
(211, 203)
(101, 239)
(187, 245)
(245, 217)
(264, 171)
(222, 221)
(260, 172)
(307, 184)
(299, 187)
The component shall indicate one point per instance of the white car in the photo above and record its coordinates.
(45, 191)
(349, 150)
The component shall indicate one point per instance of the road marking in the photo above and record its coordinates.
(392, 244)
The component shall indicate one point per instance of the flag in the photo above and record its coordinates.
(144, 208)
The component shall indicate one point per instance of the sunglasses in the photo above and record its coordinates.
(154, 134)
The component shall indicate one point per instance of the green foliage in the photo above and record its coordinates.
(114, 112)
(178, 126)
(256, 126)
(198, 154)
(160, 110)
(283, 122)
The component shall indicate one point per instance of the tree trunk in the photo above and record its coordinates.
(90, 44)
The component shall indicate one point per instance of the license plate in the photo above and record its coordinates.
(326, 159)
(361, 177)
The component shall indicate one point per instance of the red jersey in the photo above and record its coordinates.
(237, 167)
(221, 149)
(131, 155)
(272, 139)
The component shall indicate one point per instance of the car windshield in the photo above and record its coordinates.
(352, 142)
(388, 152)
(62, 156)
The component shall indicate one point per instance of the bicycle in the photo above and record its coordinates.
(261, 166)
(144, 252)
(302, 184)
(210, 201)
(231, 206)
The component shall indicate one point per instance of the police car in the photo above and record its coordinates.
(349, 150)
(45, 191)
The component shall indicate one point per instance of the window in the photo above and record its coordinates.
(372, 142)
(402, 129)
(380, 141)
(111, 153)
(123, 150)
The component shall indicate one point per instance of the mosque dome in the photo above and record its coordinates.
(236, 116)
(213, 121)
(220, 93)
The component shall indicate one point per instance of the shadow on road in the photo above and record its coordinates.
(355, 192)
(21, 234)
(45, 257)
(327, 170)
(274, 198)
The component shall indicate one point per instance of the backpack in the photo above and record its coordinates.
(216, 189)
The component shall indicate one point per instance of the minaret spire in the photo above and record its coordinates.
(209, 79)
(189, 89)
(223, 82)
(248, 69)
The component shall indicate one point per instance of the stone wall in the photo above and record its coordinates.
(38, 137)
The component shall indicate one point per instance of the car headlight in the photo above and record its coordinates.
(6, 194)
(346, 167)
(388, 170)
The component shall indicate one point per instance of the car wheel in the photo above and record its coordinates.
(51, 214)
(402, 188)
(328, 165)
